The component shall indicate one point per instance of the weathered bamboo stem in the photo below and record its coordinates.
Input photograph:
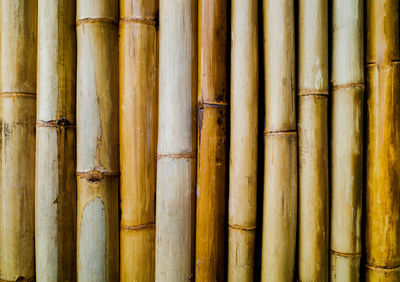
(55, 144)
(17, 117)
(243, 140)
(313, 240)
(176, 164)
(97, 140)
(347, 139)
(138, 137)
(382, 231)
(280, 168)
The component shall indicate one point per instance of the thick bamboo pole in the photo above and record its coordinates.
(97, 140)
(212, 117)
(346, 139)
(138, 137)
(382, 231)
(55, 144)
(17, 124)
(176, 164)
(243, 140)
(280, 168)
(313, 239)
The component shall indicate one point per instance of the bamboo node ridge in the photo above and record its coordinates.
(96, 20)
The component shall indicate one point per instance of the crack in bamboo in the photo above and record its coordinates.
(59, 123)
(346, 255)
(18, 94)
(241, 227)
(177, 156)
(383, 269)
(151, 21)
(149, 225)
(348, 85)
(96, 20)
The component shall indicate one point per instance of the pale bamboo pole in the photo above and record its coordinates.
(97, 140)
(176, 160)
(382, 230)
(243, 140)
(138, 137)
(17, 124)
(280, 168)
(313, 84)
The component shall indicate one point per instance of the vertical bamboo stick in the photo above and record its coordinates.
(17, 119)
(138, 137)
(211, 167)
(55, 144)
(97, 140)
(347, 139)
(280, 169)
(382, 231)
(313, 141)
(176, 165)
(243, 140)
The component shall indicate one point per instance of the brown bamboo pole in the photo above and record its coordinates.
(176, 151)
(382, 230)
(347, 79)
(243, 140)
(97, 140)
(313, 240)
(18, 25)
(138, 57)
(55, 217)
(280, 137)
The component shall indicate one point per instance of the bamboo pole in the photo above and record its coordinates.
(346, 139)
(97, 140)
(17, 118)
(138, 137)
(211, 166)
(280, 168)
(243, 140)
(313, 93)
(176, 164)
(382, 230)
(55, 144)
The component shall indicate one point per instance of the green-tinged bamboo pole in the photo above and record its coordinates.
(55, 227)
(97, 140)
(176, 164)
(347, 80)
(313, 239)
(382, 230)
(17, 126)
(280, 168)
(243, 140)
(138, 59)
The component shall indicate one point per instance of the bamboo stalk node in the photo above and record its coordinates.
(95, 175)
(60, 123)
(177, 156)
(280, 132)
(383, 269)
(312, 92)
(152, 21)
(149, 225)
(96, 20)
(18, 94)
(349, 85)
(345, 255)
(241, 227)
(212, 104)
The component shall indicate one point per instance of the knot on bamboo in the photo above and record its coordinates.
(95, 176)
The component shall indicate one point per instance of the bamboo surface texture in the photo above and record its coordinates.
(176, 160)
(17, 119)
(138, 137)
(97, 140)
(313, 238)
(280, 136)
(382, 230)
(243, 140)
(55, 227)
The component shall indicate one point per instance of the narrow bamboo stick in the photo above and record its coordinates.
(55, 144)
(176, 164)
(313, 240)
(97, 140)
(280, 168)
(17, 124)
(138, 137)
(382, 230)
(346, 139)
(243, 140)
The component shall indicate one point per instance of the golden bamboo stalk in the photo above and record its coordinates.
(176, 164)
(280, 168)
(313, 85)
(55, 144)
(347, 80)
(97, 140)
(18, 116)
(243, 140)
(138, 137)
(382, 230)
